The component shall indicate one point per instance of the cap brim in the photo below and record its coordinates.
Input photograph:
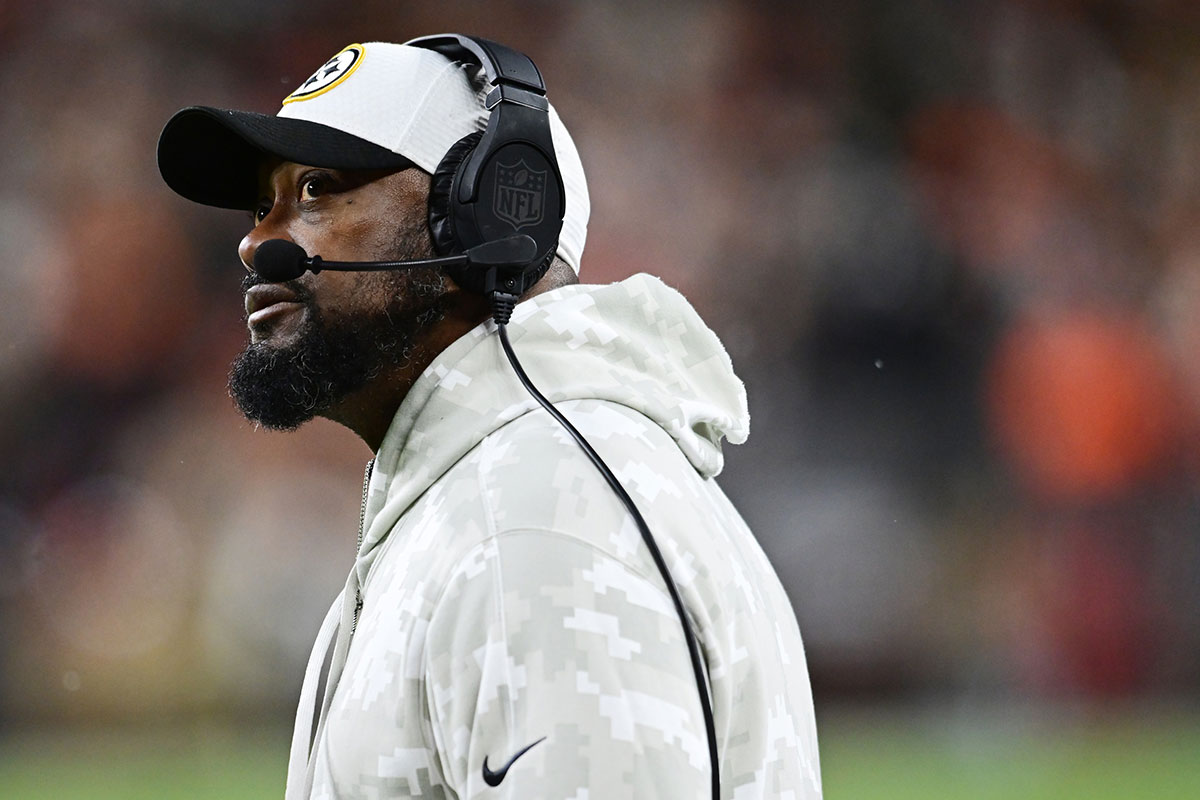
(212, 155)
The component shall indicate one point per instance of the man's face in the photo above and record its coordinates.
(319, 338)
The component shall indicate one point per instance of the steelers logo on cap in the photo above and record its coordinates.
(331, 73)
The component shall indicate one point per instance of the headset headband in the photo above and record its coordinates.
(499, 63)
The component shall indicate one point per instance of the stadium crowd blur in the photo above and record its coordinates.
(952, 247)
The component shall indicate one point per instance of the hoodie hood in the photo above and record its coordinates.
(638, 343)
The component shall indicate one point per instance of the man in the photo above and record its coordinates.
(504, 631)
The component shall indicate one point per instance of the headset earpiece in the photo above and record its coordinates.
(504, 181)
(442, 217)
(441, 189)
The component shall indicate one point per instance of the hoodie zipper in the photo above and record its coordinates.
(362, 524)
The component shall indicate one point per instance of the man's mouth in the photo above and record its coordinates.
(267, 304)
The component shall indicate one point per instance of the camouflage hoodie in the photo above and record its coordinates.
(503, 598)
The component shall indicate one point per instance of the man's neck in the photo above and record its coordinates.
(369, 411)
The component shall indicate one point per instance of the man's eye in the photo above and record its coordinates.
(314, 186)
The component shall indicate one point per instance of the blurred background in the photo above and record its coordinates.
(952, 248)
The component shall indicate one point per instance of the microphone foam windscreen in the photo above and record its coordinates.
(278, 260)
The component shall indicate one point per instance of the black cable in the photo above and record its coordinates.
(627, 501)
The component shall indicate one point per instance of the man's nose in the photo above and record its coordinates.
(250, 243)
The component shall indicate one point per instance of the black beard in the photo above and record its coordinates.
(281, 388)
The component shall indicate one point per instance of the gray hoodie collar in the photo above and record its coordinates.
(638, 343)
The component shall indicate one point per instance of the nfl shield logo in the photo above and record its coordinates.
(519, 194)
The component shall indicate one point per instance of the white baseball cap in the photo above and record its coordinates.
(372, 106)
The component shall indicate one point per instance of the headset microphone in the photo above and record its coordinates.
(278, 260)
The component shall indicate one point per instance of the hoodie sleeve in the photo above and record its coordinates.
(554, 670)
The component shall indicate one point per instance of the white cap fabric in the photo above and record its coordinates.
(374, 105)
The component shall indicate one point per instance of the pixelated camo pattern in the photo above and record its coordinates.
(508, 597)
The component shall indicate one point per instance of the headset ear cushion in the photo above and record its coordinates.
(441, 188)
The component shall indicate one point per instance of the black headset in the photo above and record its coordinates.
(501, 181)
(505, 182)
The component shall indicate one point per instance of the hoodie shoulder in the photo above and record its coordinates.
(532, 475)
